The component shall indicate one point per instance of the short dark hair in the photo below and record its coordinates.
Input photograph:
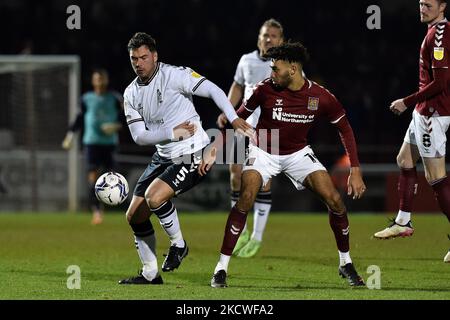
(142, 39)
(289, 51)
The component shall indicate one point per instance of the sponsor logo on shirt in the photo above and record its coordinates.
(158, 121)
(279, 115)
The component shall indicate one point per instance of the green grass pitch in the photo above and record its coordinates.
(298, 259)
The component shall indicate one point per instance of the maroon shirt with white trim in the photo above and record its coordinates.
(293, 113)
(434, 94)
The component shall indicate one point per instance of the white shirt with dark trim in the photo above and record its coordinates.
(251, 70)
(164, 102)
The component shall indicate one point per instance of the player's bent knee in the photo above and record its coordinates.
(245, 201)
(236, 169)
(235, 177)
(335, 203)
(405, 162)
(155, 198)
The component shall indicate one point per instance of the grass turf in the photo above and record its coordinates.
(298, 259)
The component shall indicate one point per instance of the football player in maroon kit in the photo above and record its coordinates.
(426, 135)
(290, 105)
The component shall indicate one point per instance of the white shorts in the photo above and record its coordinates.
(428, 134)
(296, 166)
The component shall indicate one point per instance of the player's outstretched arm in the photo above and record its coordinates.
(242, 127)
(209, 90)
(355, 183)
(236, 94)
(398, 107)
(434, 88)
(142, 136)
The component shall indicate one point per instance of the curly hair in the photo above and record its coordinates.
(290, 51)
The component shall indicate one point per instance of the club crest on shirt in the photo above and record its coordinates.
(313, 103)
(438, 53)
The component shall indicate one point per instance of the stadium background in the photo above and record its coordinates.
(366, 70)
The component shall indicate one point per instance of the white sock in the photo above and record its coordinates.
(403, 217)
(344, 258)
(223, 263)
(168, 218)
(260, 216)
(147, 254)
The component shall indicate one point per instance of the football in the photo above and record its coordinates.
(111, 188)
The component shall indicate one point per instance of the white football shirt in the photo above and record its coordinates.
(164, 102)
(251, 70)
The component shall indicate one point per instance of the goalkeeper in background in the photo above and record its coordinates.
(99, 120)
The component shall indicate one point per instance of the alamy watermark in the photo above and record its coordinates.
(374, 20)
(74, 278)
(74, 19)
(232, 146)
(374, 281)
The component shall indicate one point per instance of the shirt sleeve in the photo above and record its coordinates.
(140, 134)
(187, 80)
(207, 89)
(252, 103)
(239, 74)
(433, 88)
(331, 108)
(348, 140)
(131, 115)
(335, 113)
(439, 62)
(437, 45)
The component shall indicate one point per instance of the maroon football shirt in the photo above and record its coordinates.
(434, 54)
(293, 113)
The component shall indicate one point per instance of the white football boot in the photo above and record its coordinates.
(395, 230)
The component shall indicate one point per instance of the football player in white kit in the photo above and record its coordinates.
(251, 70)
(160, 111)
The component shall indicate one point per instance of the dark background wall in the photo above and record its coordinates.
(366, 69)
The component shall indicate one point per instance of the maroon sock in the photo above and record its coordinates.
(235, 223)
(339, 225)
(407, 188)
(442, 192)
